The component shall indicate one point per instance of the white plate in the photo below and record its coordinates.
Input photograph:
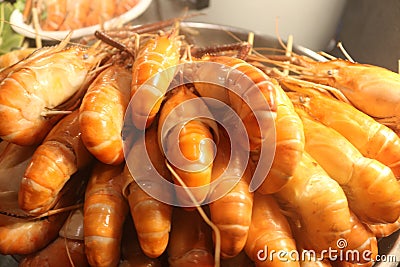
(18, 25)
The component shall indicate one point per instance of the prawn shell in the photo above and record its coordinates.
(54, 161)
(101, 114)
(371, 188)
(45, 80)
(27, 235)
(269, 228)
(372, 139)
(289, 146)
(105, 210)
(152, 73)
(151, 217)
(371, 89)
(231, 212)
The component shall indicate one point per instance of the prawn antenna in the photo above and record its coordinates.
(343, 50)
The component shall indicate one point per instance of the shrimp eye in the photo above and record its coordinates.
(85, 56)
(330, 72)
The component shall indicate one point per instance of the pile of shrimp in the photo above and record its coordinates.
(78, 193)
(63, 15)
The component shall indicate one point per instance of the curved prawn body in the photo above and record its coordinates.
(151, 217)
(317, 203)
(105, 210)
(35, 86)
(152, 72)
(372, 89)
(371, 138)
(25, 236)
(371, 188)
(231, 213)
(68, 249)
(246, 85)
(269, 228)
(191, 241)
(19, 236)
(195, 151)
(101, 114)
(289, 144)
(59, 156)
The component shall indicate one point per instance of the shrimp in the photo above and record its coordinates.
(247, 84)
(231, 212)
(101, 114)
(371, 138)
(152, 72)
(132, 254)
(152, 218)
(317, 202)
(59, 156)
(289, 144)
(55, 11)
(28, 235)
(76, 13)
(36, 86)
(370, 186)
(195, 142)
(100, 12)
(191, 242)
(66, 250)
(373, 90)
(269, 229)
(105, 210)
(358, 246)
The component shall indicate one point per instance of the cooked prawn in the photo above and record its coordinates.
(61, 154)
(289, 144)
(40, 83)
(193, 156)
(28, 235)
(68, 249)
(269, 229)
(317, 202)
(231, 212)
(371, 89)
(101, 114)
(105, 210)
(251, 93)
(371, 138)
(152, 72)
(370, 186)
(151, 217)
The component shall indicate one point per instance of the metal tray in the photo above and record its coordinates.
(205, 34)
